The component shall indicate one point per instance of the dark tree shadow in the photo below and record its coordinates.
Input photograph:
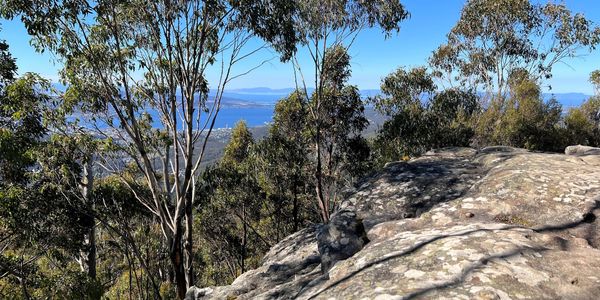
(402, 253)
(587, 218)
(423, 183)
(459, 278)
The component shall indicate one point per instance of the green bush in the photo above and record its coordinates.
(522, 118)
(421, 118)
(582, 123)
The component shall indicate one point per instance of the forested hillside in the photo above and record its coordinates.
(115, 186)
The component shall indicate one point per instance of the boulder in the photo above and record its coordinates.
(287, 268)
(341, 238)
(579, 150)
(407, 189)
(456, 223)
(465, 261)
(196, 293)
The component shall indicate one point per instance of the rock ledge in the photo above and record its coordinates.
(456, 223)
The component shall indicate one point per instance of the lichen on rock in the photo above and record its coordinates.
(456, 223)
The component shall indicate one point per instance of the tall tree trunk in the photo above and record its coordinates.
(188, 243)
(165, 269)
(91, 262)
(295, 204)
(88, 255)
(187, 183)
(323, 205)
(24, 288)
(177, 260)
(244, 238)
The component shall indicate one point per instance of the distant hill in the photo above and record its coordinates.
(228, 100)
(264, 96)
(286, 91)
(263, 91)
(267, 95)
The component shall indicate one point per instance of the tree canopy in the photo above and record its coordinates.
(105, 187)
(493, 38)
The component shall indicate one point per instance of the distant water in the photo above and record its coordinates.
(254, 116)
(229, 116)
(258, 110)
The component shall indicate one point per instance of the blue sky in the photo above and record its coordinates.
(373, 55)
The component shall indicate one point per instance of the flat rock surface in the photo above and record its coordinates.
(498, 223)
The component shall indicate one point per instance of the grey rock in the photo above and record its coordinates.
(197, 293)
(343, 237)
(465, 261)
(456, 223)
(288, 267)
(407, 189)
(579, 150)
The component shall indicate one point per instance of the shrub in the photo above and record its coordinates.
(421, 118)
(522, 118)
(582, 123)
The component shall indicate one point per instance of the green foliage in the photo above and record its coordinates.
(231, 211)
(495, 37)
(118, 198)
(51, 277)
(583, 123)
(268, 185)
(238, 148)
(421, 118)
(33, 205)
(129, 286)
(523, 119)
(256, 195)
(42, 220)
(21, 124)
(105, 45)
(285, 166)
(342, 120)
(335, 121)
(402, 89)
(347, 16)
(326, 29)
(595, 80)
(452, 111)
(8, 66)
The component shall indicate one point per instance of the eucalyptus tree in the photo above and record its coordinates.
(494, 37)
(130, 65)
(595, 80)
(323, 25)
(583, 123)
(38, 176)
(20, 134)
(284, 155)
(339, 113)
(403, 88)
(422, 117)
(233, 194)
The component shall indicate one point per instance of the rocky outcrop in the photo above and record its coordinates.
(287, 268)
(498, 223)
(344, 236)
(579, 150)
